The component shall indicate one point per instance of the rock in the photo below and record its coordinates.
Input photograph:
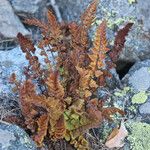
(144, 109)
(138, 79)
(9, 64)
(31, 9)
(138, 76)
(14, 138)
(71, 10)
(28, 7)
(139, 135)
(144, 13)
(9, 22)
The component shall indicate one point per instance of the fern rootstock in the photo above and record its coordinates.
(66, 105)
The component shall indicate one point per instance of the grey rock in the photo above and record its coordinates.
(144, 109)
(138, 76)
(72, 9)
(14, 138)
(13, 61)
(143, 12)
(28, 7)
(10, 24)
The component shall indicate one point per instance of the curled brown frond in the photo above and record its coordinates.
(100, 41)
(26, 44)
(53, 24)
(38, 23)
(120, 41)
(87, 18)
(42, 123)
(108, 112)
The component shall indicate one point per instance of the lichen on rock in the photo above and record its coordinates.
(139, 98)
(139, 135)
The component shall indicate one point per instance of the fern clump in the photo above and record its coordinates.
(67, 105)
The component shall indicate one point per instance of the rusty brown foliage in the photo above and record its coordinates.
(59, 101)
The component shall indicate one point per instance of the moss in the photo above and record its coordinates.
(139, 98)
(139, 136)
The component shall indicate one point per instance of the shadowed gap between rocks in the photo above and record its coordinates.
(123, 67)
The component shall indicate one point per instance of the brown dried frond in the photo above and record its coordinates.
(34, 68)
(119, 42)
(85, 76)
(87, 18)
(42, 123)
(15, 120)
(39, 111)
(79, 44)
(60, 128)
(99, 50)
(66, 104)
(108, 112)
(27, 91)
(100, 41)
(38, 23)
(53, 24)
(26, 44)
(55, 89)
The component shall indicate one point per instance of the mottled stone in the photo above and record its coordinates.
(139, 135)
(138, 76)
(26, 6)
(14, 138)
(144, 109)
(13, 61)
(10, 24)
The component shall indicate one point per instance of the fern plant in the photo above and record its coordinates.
(67, 105)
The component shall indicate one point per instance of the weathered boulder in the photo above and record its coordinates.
(144, 109)
(72, 9)
(28, 7)
(10, 24)
(138, 76)
(138, 79)
(13, 61)
(14, 138)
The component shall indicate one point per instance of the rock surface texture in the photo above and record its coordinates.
(14, 138)
(10, 24)
(138, 79)
(30, 8)
(139, 76)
